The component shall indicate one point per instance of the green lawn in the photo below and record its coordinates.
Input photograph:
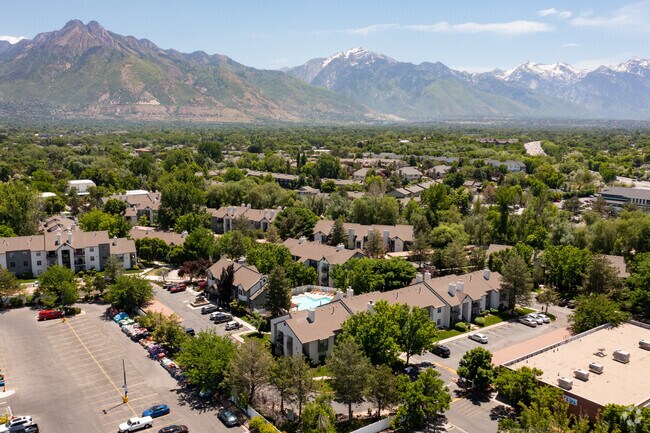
(321, 370)
(491, 319)
(443, 335)
(258, 336)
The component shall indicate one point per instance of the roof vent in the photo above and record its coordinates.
(595, 367)
(581, 374)
(621, 356)
(644, 344)
(311, 315)
(565, 382)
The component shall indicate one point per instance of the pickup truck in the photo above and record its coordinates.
(136, 423)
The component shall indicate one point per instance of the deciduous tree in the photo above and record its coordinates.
(420, 400)
(130, 293)
(9, 285)
(318, 416)
(206, 358)
(476, 366)
(249, 369)
(416, 330)
(517, 386)
(516, 281)
(382, 387)
(595, 310)
(350, 372)
(59, 286)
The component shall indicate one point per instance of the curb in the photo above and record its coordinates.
(465, 334)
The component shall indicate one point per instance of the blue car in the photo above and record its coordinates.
(120, 316)
(156, 411)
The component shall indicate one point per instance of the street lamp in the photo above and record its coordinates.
(125, 399)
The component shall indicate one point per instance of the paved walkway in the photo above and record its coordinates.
(517, 350)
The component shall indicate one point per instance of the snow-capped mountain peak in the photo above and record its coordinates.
(357, 55)
(634, 66)
(553, 71)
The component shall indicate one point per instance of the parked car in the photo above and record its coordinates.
(220, 317)
(135, 423)
(169, 286)
(126, 322)
(534, 318)
(202, 284)
(156, 410)
(120, 316)
(572, 303)
(49, 314)
(177, 289)
(481, 338)
(228, 418)
(209, 309)
(232, 325)
(441, 350)
(174, 429)
(205, 393)
(563, 302)
(2, 380)
(539, 316)
(33, 428)
(16, 422)
(528, 321)
(190, 332)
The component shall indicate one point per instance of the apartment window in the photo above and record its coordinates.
(438, 322)
(323, 345)
(25, 263)
(12, 264)
(92, 258)
(38, 263)
(38, 254)
(439, 310)
(24, 253)
(92, 249)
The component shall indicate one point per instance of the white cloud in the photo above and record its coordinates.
(506, 28)
(12, 39)
(554, 12)
(547, 12)
(631, 16)
(571, 45)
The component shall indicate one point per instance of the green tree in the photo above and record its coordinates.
(548, 296)
(517, 386)
(548, 412)
(6, 232)
(595, 310)
(9, 285)
(625, 419)
(281, 378)
(640, 282)
(114, 206)
(225, 285)
(53, 205)
(338, 234)
(206, 358)
(328, 166)
(303, 383)
(266, 257)
(565, 265)
(516, 281)
(151, 248)
(97, 220)
(417, 332)
(350, 371)
(178, 198)
(201, 243)
(130, 293)
(376, 333)
(278, 293)
(476, 367)
(421, 400)
(358, 274)
(294, 222)
(19, 208)
(249, 370)
(58, 285)
(382, 387)
(318, 416)
(374, 246)
(190, 222)
(233, 244)
(600, 276)
(211, 149)
(169, 332)
(113, 269)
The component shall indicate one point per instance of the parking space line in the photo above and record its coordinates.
(99, 365)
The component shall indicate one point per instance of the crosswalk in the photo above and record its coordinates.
(99, 376)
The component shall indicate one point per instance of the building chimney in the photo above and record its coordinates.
(486, 274)
(371, 307)
(242, 261)
(73, 227)
(243, 205)
(349, 293)
(114, 240)
(340, 247)
(58, 236)
(386, 236)
(69, 237)
(370, 232)
(272, 214)
(460, 286)
(301, 239)
(427, 276)
(184, 233)
(311, 315)
(418, 278)
(351, 236)
(338, 296)
(248, 205)
(452, 289)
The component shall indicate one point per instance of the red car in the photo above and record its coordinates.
(49, 314)
(177, 289)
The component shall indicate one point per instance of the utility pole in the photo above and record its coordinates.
(125, 399)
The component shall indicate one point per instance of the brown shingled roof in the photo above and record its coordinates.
(327, 320)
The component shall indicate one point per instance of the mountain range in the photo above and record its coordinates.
(84, 70)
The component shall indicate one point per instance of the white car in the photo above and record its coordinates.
(15, 422)
(136, 423)
(481, 338)
(544, 317)
(536, 318)
(233, 325)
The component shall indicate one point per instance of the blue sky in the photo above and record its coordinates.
(469, 35)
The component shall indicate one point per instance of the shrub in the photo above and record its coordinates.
(480, 321)
(494, 311)
(30, 300)
(460, 326)
(16, 302)
(256, 423)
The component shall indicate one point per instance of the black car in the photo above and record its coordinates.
(220, 317)
(440, 350)
(209, 309)
(25, 429)
(174, 429)
(190, 332)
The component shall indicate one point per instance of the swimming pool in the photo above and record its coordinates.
(305, 301)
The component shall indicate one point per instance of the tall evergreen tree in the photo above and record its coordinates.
(278, 292)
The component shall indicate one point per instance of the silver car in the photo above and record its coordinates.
(535, 318)
(481, 338)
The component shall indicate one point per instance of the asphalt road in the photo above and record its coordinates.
(69, 377)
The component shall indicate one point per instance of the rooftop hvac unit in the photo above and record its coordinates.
(581, 374)
(621, 356)
(596, 367)
(644, 344)
(565, 382)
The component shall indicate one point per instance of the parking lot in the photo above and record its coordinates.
(68, 376)
(473, 414)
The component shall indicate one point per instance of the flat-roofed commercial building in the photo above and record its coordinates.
(598, 367)
(617, 197)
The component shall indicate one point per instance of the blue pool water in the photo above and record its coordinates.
(305, 302)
